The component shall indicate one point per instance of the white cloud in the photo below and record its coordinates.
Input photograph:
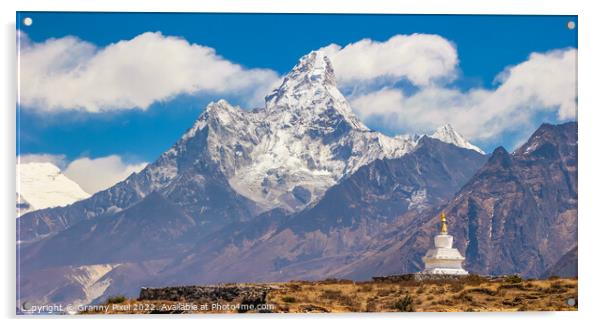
(56, 159)
(420, 58)
(97, 174)
(543, 84)
(68, 73)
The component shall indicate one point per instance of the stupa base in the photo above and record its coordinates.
(444, 271)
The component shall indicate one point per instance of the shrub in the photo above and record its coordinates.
(371, 306)
(445, 302)
(366, 288)
(554, 288)
(289, 299)
(512, 286)
(348, 302)
(404, 304)
(513, 279)
(457, 287)
(116, 299)
(524, 308)
(385, 292)
(557, 285)
(331, 294)
(475, 279)
(337, 281)
(481, 290)
(439, 290)
(465, 297)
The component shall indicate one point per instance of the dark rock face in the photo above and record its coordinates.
(302, 194)
(566, 266)
(518, 214)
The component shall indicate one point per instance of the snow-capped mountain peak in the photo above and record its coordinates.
(308, 95)
(314, 67)
(290, 152)
(313, 71)
(42, 185)
(448, 134)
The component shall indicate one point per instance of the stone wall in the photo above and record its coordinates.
(394, 278)
(433, 277)
(230, 293)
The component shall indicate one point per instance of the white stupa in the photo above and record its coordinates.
(443, 259)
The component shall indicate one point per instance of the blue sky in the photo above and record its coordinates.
(486, 46)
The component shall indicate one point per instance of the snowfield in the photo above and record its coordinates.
(42, 185)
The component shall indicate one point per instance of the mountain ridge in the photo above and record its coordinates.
(490, 216)
(285, 155)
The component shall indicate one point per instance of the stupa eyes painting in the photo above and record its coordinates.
(244, 163)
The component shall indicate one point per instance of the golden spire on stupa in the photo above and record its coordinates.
(443, 224)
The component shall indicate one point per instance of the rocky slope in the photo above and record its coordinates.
(354, 217)
(518, 214)
(567, 266)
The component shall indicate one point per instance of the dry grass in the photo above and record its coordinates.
(474, 294)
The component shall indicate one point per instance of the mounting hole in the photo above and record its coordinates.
(570, 25)
(27, 21)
